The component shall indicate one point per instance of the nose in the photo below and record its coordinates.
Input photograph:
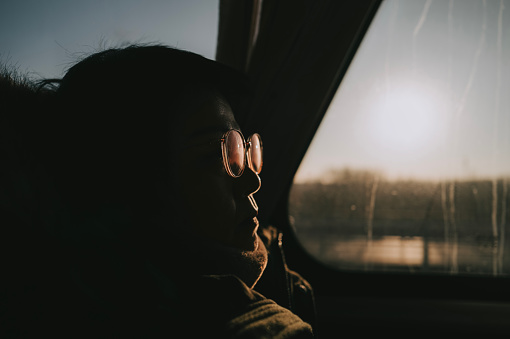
(248, 183)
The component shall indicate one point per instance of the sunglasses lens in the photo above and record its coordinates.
(234, 152)
(255, 153)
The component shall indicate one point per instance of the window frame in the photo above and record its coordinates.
(390, 285)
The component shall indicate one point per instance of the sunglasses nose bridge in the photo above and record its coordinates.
(247, 162)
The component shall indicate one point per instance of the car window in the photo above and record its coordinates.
(45, 37)
(409, 170)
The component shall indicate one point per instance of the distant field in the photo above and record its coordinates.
(362, 221)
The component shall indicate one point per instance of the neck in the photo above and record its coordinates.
(205, 257)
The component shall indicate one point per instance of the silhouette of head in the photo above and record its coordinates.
(137, 133)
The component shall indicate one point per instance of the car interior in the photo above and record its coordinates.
(386, 154)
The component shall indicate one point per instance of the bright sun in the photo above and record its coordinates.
(405, 120)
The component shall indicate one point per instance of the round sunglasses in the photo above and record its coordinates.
(237, 152)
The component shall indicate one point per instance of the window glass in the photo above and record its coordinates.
(45, 37)
(410, 168)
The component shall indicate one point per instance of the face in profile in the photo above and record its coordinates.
(215, 198)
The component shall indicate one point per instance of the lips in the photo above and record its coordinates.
(251, 223)
(255, 222)
(246, 229)
(246, 234)
(251, 211)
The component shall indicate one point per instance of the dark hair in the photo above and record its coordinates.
(115, 112)
(146, 72)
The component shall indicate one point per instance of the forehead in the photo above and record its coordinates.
(208, 113)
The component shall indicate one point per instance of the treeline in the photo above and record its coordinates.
(352, 203)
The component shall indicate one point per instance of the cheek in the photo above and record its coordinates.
(210, 206)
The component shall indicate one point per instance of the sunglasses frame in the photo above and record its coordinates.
(247, 148)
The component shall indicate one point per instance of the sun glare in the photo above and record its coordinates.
(406, 120)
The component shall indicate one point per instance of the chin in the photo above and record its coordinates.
(249, 244)
(254, 263)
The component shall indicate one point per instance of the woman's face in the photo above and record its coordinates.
(210, 202)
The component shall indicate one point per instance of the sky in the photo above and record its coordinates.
(43, 38)
(426, 97)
